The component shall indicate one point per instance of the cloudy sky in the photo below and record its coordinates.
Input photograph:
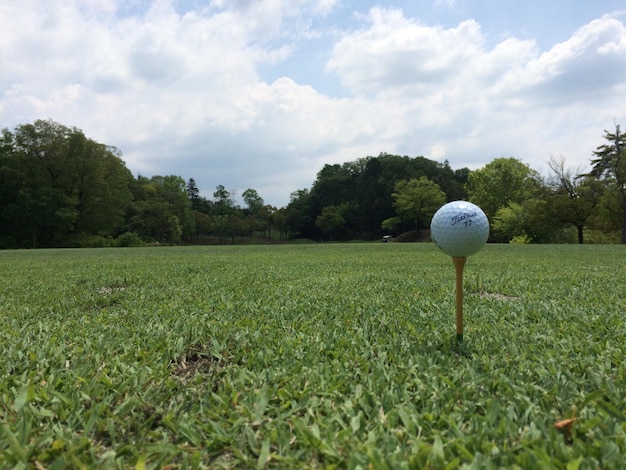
(262, 93)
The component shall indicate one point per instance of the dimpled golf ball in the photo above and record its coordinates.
(459, 228)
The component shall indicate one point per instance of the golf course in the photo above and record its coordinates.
(313, 356)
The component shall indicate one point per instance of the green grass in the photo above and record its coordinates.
(320, 356)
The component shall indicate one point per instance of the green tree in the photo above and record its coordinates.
(253, 201)
(364, 188)
(60, 186)
(193, 193)
(510, 222)
(610, 164)
(391, 224)
(280, 223)
(258, 215)
(330, 220)
(573, 199)
(161, 211)
(299, 213)
(203, 224)
(175, 193)
(500, 182)
(417, 200)
(224, 202)
(532, 221)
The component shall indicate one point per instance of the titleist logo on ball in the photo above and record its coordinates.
(461, 217)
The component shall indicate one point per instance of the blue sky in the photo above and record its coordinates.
(262, 93)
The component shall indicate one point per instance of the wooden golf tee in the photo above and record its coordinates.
(459, 264)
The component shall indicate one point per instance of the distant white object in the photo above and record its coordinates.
(459, 229)
(387, 238)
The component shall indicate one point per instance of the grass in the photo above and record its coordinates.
(318, 356)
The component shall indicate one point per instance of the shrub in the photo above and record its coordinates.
(129, 239)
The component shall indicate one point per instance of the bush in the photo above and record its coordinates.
(520, 240)
(129, 239)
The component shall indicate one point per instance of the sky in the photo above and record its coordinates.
(262, 94)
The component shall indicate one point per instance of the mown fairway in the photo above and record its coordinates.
(327, 356)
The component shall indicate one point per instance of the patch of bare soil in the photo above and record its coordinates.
(197, 361)
(495, 295)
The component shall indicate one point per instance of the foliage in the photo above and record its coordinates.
(510, 222)
(318, 356)
(610, 163)
(573, 199)
(520, 240)
(364, 188)
(129, 239)
(161, 210)
(417, 200)
(253, 201)
(330, 220)
(57, 186)
(391, 224)
(500, 182)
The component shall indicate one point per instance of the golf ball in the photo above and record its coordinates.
(459, 228)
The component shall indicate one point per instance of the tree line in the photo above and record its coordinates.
(59, 188)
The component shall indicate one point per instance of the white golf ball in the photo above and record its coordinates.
(459, 228)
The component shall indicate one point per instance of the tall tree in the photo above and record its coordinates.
(572, 199)
(258, 215)
(500, 182)
(610, 164)
(417, 200)
(161, 211)
(298, 213)
(224, 202)
(330, 220)
(279, 221)
(193, 193)
(63, 186)
(364, 188)
(253, 201)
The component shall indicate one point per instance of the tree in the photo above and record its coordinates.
(417, 200)
(500, 182)
(391, 224)
(573, 199)
(253, 201)
(610, 165)
(330, 220)
(279, 221)
(258, 216)
(364, 188)
(193, 193)
(510, 222)
(298, 212)
(161, 211)
(59, 186)
(224, 202)
(530, 221)
(203, 224)
(175, 193)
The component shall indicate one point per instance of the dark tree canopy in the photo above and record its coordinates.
(59, 188)
(364, 189)
(610, 164)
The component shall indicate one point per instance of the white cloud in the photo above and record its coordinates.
(445, 3)
(470, 104)
(397, 52)
(589, 65)
(181, 90)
